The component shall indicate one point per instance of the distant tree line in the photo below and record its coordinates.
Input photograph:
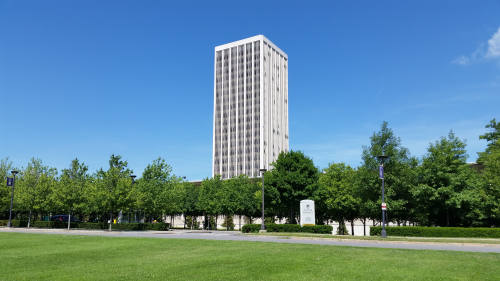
(438, 189)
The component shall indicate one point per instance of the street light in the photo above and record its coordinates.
(263, 226)
(12, 197)
(133, 180)
(382, 159)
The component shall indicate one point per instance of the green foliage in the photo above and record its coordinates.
(399, 175)
(441, 189)
(89, 225)
(336, 191)
(114, 187)
(191, 200)
(72, 192)
(34, 187)
(342, 229)
(162, 193)
(416, 231)
(228, 222)
(293, 177)
(448, 189)
(271, 227)
(207, 199)
(5, 191)
(269, 220)
(491, 185)
(15, 223)
(212, 225)
(232, 196)
(189, 222)
(492, 138)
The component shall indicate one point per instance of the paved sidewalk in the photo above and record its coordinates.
(237, 236)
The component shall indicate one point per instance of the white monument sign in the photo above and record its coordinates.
(307, 213)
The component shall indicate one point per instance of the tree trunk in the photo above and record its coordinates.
(185, 220)
(352, 227)
(227, 223)
(364, 227)
(447, 218)
(240, 221)
(69, 218)
(110, 219)
(29, 220)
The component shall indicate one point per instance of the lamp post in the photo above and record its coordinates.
(12, 198)
(263, 226)
(382, 159)
(133, 180)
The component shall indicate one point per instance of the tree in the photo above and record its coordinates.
(492, 139)
(72, 192)
(154, 184)
(399, 176)
(36, 183)
(175, 196)
(249, 194)
(227, 196)
(337, 192)
(5, 191)
(491, 180)
(207, 200)
(293, 177)
(114, 187)
(191, 202)
(447, 190)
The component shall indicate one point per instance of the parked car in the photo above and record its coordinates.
(64, 218)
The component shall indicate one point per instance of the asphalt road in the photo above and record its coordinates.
(234, 236)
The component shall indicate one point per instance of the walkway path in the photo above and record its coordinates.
(237, 236)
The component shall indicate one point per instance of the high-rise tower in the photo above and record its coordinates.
(250, 106)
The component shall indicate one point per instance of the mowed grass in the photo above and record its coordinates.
(72, 257)
(378, 238)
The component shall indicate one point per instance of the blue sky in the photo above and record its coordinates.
(90, 78)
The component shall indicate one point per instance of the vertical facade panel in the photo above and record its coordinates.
(250, 107)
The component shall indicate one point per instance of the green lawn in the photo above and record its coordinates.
(390, 238)
(68, 257)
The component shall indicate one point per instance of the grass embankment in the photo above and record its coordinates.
(72, 257)
(378, 238)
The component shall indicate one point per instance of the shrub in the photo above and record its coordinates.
(91, 225)
(271, 227)
(15, 223)
(213, 226)
(418, 231)
(228, 220)
(342, 230)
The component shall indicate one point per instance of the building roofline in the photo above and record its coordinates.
(248, 40)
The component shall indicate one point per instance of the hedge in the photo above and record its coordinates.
(418, 231)
(89, 225)
(15, 223)
(271, 227)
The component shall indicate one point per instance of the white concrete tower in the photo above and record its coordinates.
(250, 106)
